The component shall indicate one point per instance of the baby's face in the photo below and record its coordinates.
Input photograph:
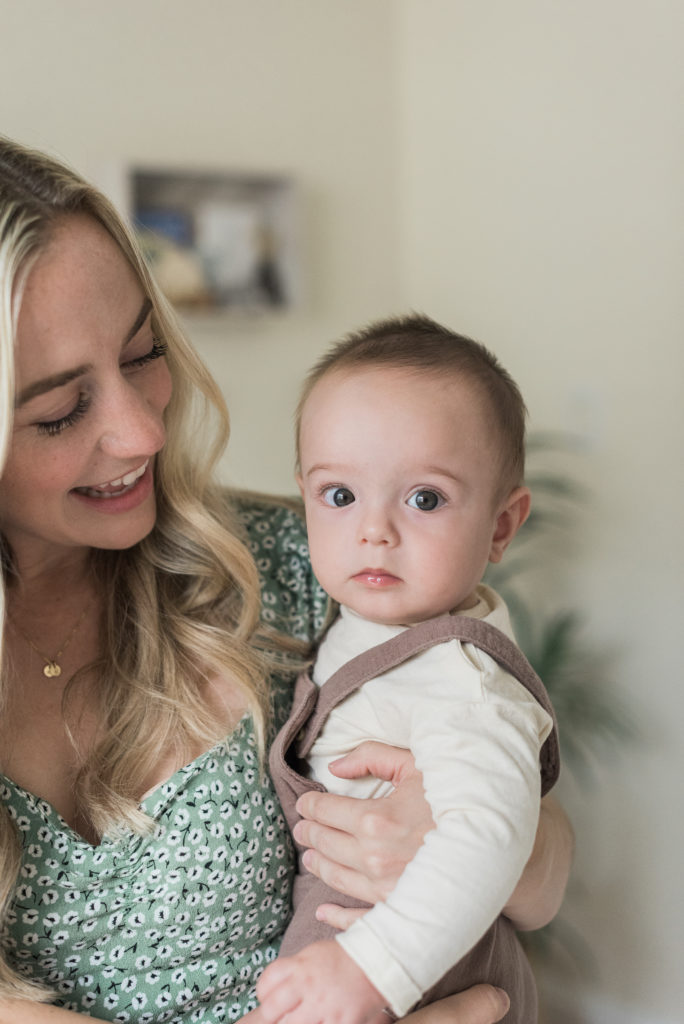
(399, 473)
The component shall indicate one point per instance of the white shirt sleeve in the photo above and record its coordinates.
(480, 763)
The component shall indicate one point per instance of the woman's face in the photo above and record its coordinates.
(91, 389)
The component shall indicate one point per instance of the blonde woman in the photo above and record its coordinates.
(145, 867)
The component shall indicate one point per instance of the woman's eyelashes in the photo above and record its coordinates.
(159, 349)
(53, 427)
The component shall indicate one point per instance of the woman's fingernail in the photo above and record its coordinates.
(307, 858)
(505, 997)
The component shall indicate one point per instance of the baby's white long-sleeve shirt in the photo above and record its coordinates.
(476, 735)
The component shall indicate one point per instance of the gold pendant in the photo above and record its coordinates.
(52, 670)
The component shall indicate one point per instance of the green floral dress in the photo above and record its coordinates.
(175, 926)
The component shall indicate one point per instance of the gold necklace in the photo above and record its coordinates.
(51, 668)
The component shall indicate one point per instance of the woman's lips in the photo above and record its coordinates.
(115, 488)
(117, 497)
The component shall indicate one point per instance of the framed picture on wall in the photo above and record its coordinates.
(217, 241)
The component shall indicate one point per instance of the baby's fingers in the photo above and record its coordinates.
(274, 992)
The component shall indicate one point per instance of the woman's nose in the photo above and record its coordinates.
(133, 425)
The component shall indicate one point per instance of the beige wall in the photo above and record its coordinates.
(542, 210)
(305, 87)
(516, 169)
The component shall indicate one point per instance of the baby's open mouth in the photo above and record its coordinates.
(115, 488)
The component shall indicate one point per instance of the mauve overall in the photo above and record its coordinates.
(498, 957)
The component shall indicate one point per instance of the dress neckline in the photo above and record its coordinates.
(172, 784)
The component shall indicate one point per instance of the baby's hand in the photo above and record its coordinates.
(318, 984)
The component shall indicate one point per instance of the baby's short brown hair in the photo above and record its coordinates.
(415, 342)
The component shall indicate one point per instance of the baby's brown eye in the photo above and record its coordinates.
(425, 501)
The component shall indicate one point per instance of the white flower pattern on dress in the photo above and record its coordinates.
(174, 927)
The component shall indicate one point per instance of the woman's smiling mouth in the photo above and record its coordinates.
(115, 488)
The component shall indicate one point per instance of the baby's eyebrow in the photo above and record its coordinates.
(323, 467)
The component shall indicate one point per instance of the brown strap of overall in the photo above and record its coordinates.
(412, 641)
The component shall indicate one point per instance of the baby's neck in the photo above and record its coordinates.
(466, 604)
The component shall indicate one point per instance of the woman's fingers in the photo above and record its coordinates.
(392, 764)
(482, 1004)
(361, 847)
(325, 808)
(366, 860)
(330, 842)
(341, 879)
(338, 917)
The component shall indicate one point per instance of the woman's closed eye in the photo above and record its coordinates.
(159, 349)
(53, 427)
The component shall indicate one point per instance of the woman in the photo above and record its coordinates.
(145, 868)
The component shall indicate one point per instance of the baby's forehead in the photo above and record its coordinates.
(430, 406)
(385, 374)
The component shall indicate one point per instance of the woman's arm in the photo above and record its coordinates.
(540, 891)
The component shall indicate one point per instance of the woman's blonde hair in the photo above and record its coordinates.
(180, 606)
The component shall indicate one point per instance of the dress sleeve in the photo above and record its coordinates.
(293, 602)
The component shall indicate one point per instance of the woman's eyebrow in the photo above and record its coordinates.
(58, 380)
(139, 320)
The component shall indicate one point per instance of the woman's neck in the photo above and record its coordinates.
(41, 583)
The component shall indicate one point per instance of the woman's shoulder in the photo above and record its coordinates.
(266, 514)
(274, 530)
(275, 533)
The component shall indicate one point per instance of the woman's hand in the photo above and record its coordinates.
(361, 847)
(482, 1004)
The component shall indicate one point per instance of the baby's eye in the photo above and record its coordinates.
(425, 501)
(338, 496)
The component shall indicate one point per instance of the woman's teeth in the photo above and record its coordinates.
(115, 488)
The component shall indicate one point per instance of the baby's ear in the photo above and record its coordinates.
(511, 516)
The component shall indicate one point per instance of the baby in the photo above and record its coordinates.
(410, 462)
